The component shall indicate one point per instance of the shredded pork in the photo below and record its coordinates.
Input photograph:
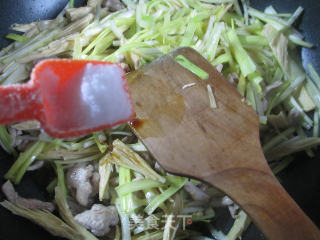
(113, 5)
(98, 219)
(33, 204)
(233, 208)
(195, 192)
(82, 181)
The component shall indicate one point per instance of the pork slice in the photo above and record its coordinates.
(33, 204)
(98, 219)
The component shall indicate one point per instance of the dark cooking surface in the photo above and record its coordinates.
(301, 179)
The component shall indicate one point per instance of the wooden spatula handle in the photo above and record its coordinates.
(267, 203)
(19, 103)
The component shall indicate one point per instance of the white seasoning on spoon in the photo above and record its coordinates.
(103, 96)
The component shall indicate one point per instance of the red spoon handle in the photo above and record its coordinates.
(19, 103)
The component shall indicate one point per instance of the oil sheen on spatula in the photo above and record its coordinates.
(69, 97)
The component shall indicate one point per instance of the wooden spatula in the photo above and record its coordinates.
(220, 145)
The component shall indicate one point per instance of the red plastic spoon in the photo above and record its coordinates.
(69, 97)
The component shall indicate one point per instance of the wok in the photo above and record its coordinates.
(301, 179)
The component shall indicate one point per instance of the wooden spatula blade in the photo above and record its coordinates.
(169, 113)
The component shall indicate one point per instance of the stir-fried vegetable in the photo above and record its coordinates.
(47, 220)
(25, 159)
(191, 67)
(6, 141)
(254, 50)
(67, 216)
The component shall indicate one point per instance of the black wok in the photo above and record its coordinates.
(301, 179)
